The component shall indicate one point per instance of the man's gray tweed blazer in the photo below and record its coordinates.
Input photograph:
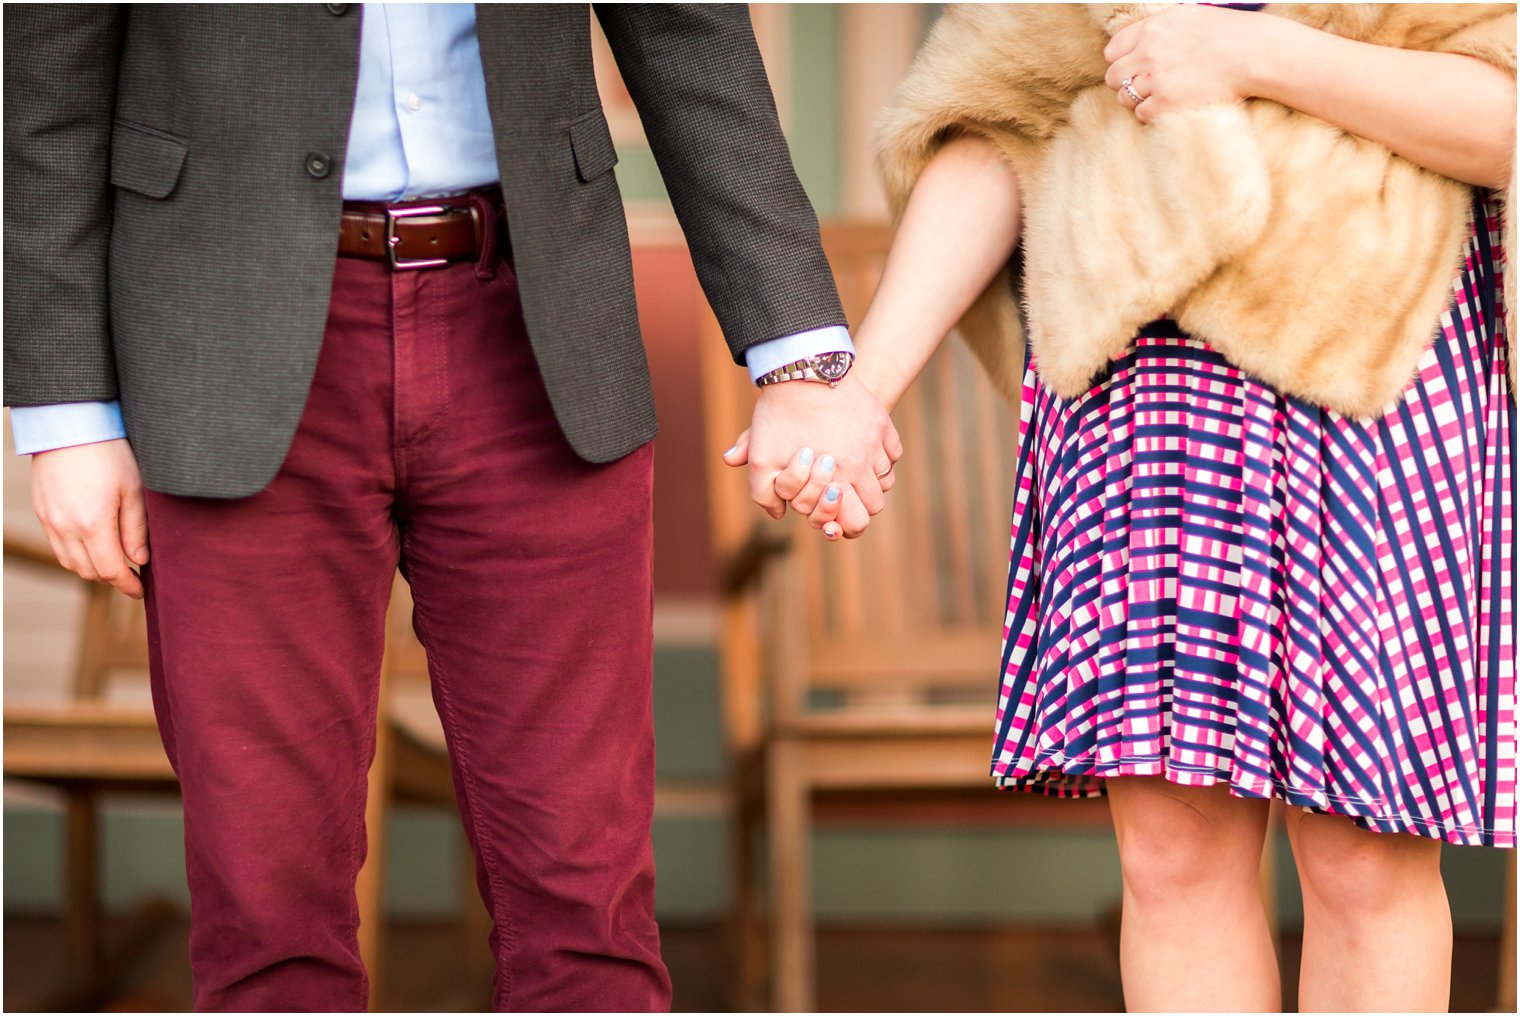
(173, 185)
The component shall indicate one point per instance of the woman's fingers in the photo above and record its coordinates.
(791, 480)
(1123, 41)
(824, 467)
(828, 507)
(842, 517)
(1135, 94)
(868, 487)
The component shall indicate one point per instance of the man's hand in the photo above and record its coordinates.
(799, 430)
(89, 498)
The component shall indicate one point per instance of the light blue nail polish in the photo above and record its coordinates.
(831, 495)
(826, 463)
(805, 456)
(730, 451)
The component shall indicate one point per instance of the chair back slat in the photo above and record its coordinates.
(909, 617)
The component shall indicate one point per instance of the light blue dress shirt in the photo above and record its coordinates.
(420, 127)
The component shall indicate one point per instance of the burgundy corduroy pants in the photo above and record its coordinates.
(428, 441)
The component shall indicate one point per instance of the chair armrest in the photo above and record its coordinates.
(742, 568)
(28, 552)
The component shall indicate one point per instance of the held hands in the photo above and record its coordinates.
(1185, 56)
(826, 451)
(89, 499)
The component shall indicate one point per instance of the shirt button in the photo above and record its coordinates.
(414, 102)
(337, 10)
(318, 165)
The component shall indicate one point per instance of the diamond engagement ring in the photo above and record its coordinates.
(1127, 86)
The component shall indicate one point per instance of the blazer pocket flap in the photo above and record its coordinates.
(591, 144)
(146, 161)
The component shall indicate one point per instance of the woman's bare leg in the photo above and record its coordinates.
(1377, 924)
(1194, 935)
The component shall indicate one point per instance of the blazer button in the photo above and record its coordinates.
(337, 10)
(318, 165)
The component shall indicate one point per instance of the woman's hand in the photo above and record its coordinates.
(811, 484)
(1402, 99)
(1183, 57)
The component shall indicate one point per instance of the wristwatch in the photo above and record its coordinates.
(828, 368)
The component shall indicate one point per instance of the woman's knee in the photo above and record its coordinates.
(1177, 840)
(1347, 869)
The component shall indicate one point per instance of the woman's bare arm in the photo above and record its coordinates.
(959, 229)
(1449, 113)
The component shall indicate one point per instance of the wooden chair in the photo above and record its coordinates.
(860, 678)
(91, 746)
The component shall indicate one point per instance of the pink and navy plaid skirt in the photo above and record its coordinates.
(1216, 583)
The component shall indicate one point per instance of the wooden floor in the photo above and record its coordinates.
(862, 969)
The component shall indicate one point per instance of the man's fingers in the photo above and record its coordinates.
(791, 480)
(762, 491)
(55, 540)
(110, 562)
(76, 558)
(892, 443)
(869, 490)
(67, 541)
(134, 527)
(853, 517)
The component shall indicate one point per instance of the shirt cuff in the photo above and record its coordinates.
(764, 357)
(44, 428)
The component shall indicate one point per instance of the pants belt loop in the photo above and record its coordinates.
(486, 215)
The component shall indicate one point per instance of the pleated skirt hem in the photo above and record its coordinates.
(1056, 775)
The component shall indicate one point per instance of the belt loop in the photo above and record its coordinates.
(485, 221)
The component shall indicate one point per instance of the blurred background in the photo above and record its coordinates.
(825, 835)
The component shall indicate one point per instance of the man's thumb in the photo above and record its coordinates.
(738, 455)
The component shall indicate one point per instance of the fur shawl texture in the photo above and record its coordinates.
(1315, 260)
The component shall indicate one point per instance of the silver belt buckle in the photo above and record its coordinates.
(391, 239)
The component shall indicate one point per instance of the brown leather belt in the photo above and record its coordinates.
(422, 234)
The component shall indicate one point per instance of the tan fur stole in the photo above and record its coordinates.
(1313, 259)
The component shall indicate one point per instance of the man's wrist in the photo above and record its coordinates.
(826, 368)
(764, 357)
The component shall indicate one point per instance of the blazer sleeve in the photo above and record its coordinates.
(695, 74)
(60, 87)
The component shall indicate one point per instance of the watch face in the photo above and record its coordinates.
(833, 366)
